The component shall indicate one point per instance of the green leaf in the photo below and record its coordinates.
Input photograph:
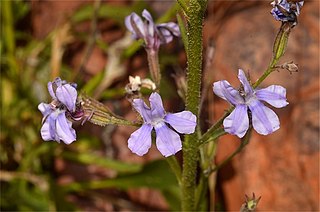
(93, 83)
(183, 32)
(155, 174)
(117, 13)
(87, 158)
(173, 197)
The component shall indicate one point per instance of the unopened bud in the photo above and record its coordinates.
(250, 204)
(280, 44)
(290, 66)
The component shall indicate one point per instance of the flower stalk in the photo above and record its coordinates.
(175, 167)
(244, 141)
(279, 48)
(154, 67)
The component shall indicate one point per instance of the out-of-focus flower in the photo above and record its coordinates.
(56, 126)
(152, 34)
(264, 120)
(135, 84)
(167, 140)
(286, 10)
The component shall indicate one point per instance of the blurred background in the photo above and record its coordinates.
(86, 42)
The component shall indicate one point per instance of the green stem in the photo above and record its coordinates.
(91, 40)
(175, 166)
(183, 6)
(9, 37)
(214, 127)
(266, 73)
(201, 191)
(279, 48)
(190, 145)
(244, 142)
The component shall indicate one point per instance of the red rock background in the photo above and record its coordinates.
(283, 167)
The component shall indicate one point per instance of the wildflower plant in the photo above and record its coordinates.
(247, 109)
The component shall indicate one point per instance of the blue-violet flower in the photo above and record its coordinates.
(264, 120)
(167, 140)
(56, 126)
(284, 10)
(152, 34)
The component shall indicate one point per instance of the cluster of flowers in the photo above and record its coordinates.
(248, 108)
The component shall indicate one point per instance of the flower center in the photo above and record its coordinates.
(157, 121)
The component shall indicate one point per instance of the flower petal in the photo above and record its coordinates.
(51, 90)
(135, 25)
(184, 122)
(164, 35)
(264, 120)
(237, 123)
(244, 81)
(51, 119)
(140, 140)
(275, 95)
(172, 27)
(67, 95)
(167, 30)
(168, 142)
(45, 109)
(142, 109)
(224, 90)
(64, 129)
(157, 110)
(150, 27)
(45, 130)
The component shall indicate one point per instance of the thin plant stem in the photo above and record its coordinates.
(175, 166)
(201, 191)
(279, 48)
(214, 127)
(9, 37)
(244, 142)
(266, 73)
(92, 38)
(154, 67)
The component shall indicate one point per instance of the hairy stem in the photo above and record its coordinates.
(154, 67)
(190, 146)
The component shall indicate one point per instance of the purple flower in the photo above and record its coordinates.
(284, 10)
(264, 120)
(167, 140)
(152, 34)
(56, 126)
